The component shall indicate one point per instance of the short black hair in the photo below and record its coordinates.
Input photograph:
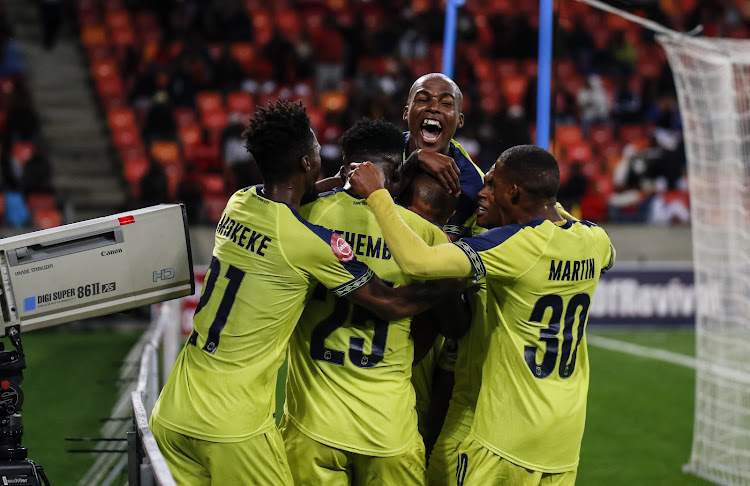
(431, 192)
(533, 169)
(371, 137)
(278, 137)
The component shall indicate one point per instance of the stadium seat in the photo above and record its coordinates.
(212, 184)
(505, 67)
(94, 36)
(37, 201)
(263, 25)
(600, 134)
(567, 134)
(167, 153)
(185, 116)
(244, 53)
(289, 24)
(215, 120)
(118, 19)
(240, 102)
(22, 152)
(191, 137)
(207, 157)
(578, 152)
(332, 101)
(118, 118)
(46, 218)
(208, 101)
(514, 88)
(122, 37)
(632, 133)
(133, 169)
(126, 137)
(213, 205)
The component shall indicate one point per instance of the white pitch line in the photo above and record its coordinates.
(718, 371)
(644, 351)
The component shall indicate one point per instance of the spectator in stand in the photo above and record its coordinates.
(414, 43)
(623, 54)
(160, 123)
(241, 170)
(565, 106)
(51, 17)
(36, 173)
(226, 73)
(189, 192)
(572, 191)
(11, 58)
(182, 86)
(279, 51)
(329, 53)
(627, 104)
(144, 88)
(592, 104)
(154, 186)
(22, 122)
(579, 45)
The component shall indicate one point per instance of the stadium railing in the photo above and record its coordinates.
(146, 465)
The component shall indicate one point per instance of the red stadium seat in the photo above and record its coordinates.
(118, 118)
(214, 204)
(46, 218)
(215, 120)
(244, 53)
(504, 67)
(578, 152)
(185, 116)
(514, 88)
(601, 134)
(208, 101)
(37, 201)
(567, 134)
(632, 133)
(240, 102)
(212, 184)
(289, 24)
(118, 19)
(122, 36)
(191, 136)
(134, 169)
(22, 152)
(263, 26)
(207, 157)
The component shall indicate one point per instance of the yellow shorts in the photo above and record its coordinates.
(441, 467)
(478, 466)
(259, 460)
(313, 463)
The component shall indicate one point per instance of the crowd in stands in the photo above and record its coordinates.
(177, 80)
(27, 194)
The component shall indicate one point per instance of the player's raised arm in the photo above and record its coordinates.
(413, 255)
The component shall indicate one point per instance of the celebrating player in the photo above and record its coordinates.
(349, 415)
(541, 272)
(214, 418)
(433, 114)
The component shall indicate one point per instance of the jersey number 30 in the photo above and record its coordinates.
(548, 335)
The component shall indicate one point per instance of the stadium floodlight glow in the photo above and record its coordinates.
(95, 267)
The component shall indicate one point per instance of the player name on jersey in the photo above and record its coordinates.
(571, 270)
(365, 245)
(247, 238)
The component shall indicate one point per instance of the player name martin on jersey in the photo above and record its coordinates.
(266, 261)
(572, 270)
(349, 373)
(541, 278)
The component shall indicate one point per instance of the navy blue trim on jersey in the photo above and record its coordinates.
(258, 188)
(470, 181)
(333, 191)
(358, 269)
(586, 223)
(488, 240)
(568, 223)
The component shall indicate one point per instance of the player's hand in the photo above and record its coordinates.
(442, 168)
(366, 178)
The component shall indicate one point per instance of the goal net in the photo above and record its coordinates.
(712, 77)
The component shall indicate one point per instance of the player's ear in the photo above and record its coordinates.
(460, 120)
(305, 163)
(515, 193)
(405, 114)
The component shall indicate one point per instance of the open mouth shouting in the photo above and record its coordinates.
(431, 130)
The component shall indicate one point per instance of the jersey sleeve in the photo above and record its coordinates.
(607, 250)
(327, 258)
(415, 257)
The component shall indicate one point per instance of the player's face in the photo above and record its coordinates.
(433, 115)
(489, 212)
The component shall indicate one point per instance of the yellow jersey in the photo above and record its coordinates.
(266, 261)
(348, 382)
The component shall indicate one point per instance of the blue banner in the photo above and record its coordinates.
(645, 294)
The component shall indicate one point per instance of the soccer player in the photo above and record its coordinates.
(541, 272)
(433, 114)
(349, 415)
(214, 418)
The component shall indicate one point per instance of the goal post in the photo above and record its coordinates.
(712, 77)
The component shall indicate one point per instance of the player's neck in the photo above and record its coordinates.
(288, 192)
(536, 211)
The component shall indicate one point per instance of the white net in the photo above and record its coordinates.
(712, 77)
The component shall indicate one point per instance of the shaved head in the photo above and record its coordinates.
(457, 94)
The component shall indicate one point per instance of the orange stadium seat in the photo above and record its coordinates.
(578, 152)
(601, 134)
(215, 120)
(333, 101)
(567, 134)
(208, 101)
(504, 67)
(514, 88)
(39, 200)
(240, 102)
(46, 218)
(117, 19)
(167, 153)
(94, 36)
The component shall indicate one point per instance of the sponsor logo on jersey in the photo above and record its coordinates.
(341, 248)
